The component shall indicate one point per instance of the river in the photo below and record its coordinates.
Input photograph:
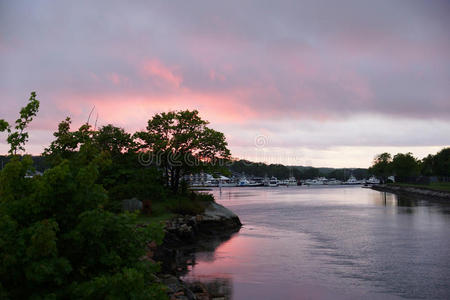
(329, 243)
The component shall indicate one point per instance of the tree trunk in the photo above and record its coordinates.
(175, 179)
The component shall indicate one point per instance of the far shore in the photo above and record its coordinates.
(413, 190)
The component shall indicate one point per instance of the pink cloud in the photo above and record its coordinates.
(132, 110)
(214, 75)
(155, 68)
(114, 78)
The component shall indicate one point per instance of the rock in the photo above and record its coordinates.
(177, 289)
(216, 219)
(182, 235)
(216, 211)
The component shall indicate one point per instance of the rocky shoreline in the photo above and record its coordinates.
(412, 191)
(185, 235)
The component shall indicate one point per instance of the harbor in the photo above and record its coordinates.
(208, 180)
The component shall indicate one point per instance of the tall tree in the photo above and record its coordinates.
(426, 165)
(181, 142)
(405, 165)
(381, 166)
(114, 140)
(441, 163)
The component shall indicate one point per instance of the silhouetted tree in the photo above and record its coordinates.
(182, 143)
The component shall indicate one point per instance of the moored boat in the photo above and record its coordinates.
(291, 181)
(352, 181)
(273, 182)
(372, 180)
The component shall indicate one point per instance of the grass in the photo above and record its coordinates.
(153, 219)
(435, 186)
(189, 204)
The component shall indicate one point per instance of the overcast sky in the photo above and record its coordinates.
(322, 83)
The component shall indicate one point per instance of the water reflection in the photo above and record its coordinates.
(392, 200)
(330, 243)
(179, 260)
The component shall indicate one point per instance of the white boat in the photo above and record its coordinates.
(315, 181)
(254, 183)
(243, 182)
(372, 180)
(333, 181)
(352, 180)
(211, 183)
(291, 181)
(273, 182)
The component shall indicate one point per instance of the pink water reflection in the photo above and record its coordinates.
(328, 243)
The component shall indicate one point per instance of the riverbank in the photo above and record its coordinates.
(185, 235)
(412, 191)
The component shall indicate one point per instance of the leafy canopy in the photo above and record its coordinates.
(405, 165)
(56, 238)
(181, 142)
(17, 136)
(381, 166)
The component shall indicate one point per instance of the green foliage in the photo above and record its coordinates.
(438, 164)
(18, 137)
(441, 163)
(402, 165)
(405, 165)
(260, 169)
(182, 143)
(123, 177)
(114, 140)
(67, 142)
(381, 166)
(56, 238)
(129, 283)
(434, 186)
(143, 183)
(55, 235)
(427, 165)
(183, 205)
(299, 172)
(202, 197)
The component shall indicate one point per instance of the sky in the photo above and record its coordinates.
(320, 83)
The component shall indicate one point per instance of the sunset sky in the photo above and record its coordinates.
(321, 83)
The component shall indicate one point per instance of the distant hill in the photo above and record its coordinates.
(256, 169)
(39, 162)
(299, 172)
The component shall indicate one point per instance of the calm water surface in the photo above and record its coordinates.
(330, 243)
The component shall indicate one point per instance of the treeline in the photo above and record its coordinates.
(406, 167)
(39, 162)
(299, 172)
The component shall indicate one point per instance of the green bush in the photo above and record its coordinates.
(56, 240)
(204, 197)
(185, 206)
